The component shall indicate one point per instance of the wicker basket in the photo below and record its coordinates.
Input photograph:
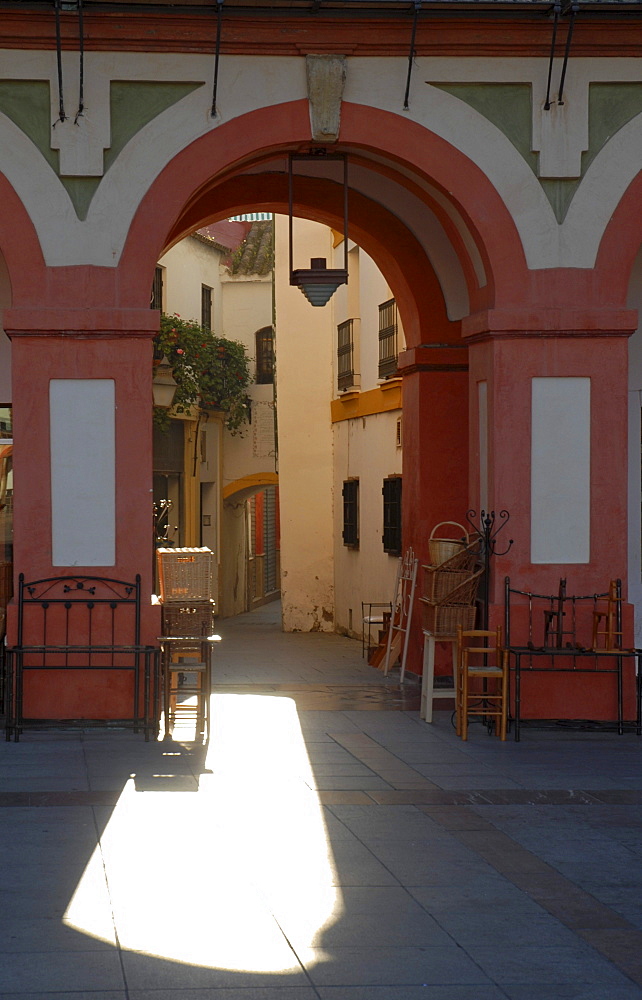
(450, 586)
(193, 619)
(443, 619)
(184, 575)
(442, 549)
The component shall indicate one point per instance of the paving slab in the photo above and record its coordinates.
(253, 993)
(326, 845)
(393, 966)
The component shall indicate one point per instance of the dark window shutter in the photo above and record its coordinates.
(392, 515)
(350, 493)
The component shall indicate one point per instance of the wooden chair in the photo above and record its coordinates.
(610, 617)
(481, 657)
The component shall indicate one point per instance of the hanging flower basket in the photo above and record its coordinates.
(210, 371)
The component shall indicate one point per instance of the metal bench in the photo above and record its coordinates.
(68, 627)
(549, 634)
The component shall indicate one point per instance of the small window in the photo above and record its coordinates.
(156, 297)
(206, 307)
(350, 494)
(345, 355)
(388, 339)
(392, 515)
(265, 356)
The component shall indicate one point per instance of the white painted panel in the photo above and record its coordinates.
(482, 398)
(5, 368)
(83, 472)
(560, 470)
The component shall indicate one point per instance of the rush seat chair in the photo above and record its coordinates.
(482, 679)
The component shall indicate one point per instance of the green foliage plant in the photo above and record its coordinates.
(210, 372)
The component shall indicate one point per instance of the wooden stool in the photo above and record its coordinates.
(489, 663)
(189, 647)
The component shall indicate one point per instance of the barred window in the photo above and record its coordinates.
(350, 494)
(206, 307)
(265, 356)
(392, 515)
(388, 339)
(345, 354)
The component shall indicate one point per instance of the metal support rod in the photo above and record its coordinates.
(81, 71)
(556, 15)
(567, 50)
(219, 19)
(61, 101)
(412, 52)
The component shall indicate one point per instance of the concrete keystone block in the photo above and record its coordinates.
(326, 78)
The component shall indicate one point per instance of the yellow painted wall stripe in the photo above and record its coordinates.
(384, 398)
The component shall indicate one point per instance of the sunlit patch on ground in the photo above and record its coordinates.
(209, 878)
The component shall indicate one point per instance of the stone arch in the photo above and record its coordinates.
(468, 207)
(248, 485)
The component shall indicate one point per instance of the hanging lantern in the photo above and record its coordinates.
(318, 282)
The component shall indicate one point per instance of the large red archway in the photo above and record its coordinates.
(452, 254)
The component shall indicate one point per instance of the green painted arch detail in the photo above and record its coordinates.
(507, 105)
(132, 105)
(28, 105)
(509, 108)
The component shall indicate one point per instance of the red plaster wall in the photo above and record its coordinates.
(127, 360)
(435, 472)
(508, 365)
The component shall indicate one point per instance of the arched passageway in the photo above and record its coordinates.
(484, 310)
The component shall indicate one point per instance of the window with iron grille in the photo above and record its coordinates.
(206, 307)
(392, 515)
(388, 339)
(345, 354)
(350, 494)
(265, 356)
(156, 296)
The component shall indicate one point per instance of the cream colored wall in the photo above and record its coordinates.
(304, 389)
(361, 297)
(313, 466)
(364, 448)
(246, 308)
(240, 307)
(187, 266)
(234, 542)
